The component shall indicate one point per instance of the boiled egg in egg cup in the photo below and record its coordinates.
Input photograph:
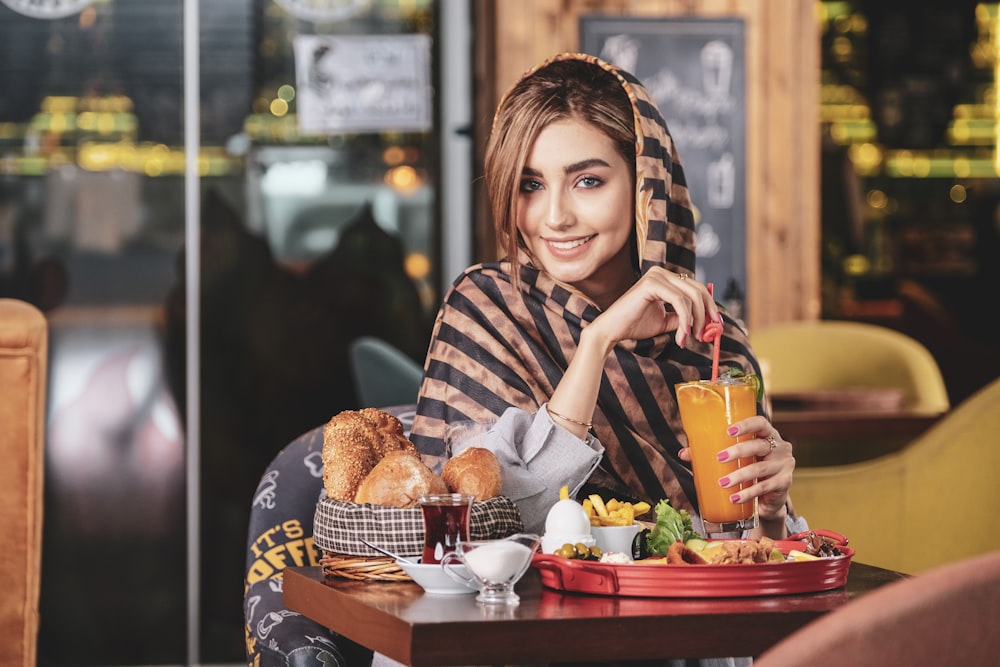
(566, 523)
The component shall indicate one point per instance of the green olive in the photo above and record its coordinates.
(566, 551)
(581, 550)
(595, 552)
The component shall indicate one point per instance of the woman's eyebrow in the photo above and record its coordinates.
(571, 168)
(585, 164)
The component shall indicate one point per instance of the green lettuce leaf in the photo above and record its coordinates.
(671, 526)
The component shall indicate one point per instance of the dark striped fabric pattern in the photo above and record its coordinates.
(496, 345)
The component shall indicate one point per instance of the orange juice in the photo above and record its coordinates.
(707, 409)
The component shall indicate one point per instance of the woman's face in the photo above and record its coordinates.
(574, 210)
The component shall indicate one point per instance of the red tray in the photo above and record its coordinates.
(698, 581)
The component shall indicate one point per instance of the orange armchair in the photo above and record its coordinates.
(23, 378)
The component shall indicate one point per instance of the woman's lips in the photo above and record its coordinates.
(564, 247)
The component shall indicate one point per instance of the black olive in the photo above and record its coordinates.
(640, 549)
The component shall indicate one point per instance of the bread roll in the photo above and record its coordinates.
(389, 429)
(348, 454)
(398, 480)
(475, 470)
(354, 441)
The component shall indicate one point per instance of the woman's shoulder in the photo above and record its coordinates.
(478, 276)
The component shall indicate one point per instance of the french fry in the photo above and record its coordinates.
(613, 512)
(599, 506)
(564, 492)
(627, 513)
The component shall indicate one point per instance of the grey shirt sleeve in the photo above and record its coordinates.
(538, 457)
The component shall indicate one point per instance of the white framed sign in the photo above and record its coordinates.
(369, 83)
(47, 9)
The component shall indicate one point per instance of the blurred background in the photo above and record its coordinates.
(310, 234)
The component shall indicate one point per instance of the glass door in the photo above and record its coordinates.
(317, 222)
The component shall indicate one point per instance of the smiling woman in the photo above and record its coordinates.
(572, 344)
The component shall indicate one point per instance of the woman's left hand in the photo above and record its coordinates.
(773, 470)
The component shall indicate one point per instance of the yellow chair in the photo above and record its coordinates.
(831, 354)
(927, 504)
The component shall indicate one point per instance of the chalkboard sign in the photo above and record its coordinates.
(694, 69)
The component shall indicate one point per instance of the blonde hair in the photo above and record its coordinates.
(558, 90)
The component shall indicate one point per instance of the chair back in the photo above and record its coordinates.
(922, 506)
(23, 380)
(383, 375)
(946, 616)
(831, 354)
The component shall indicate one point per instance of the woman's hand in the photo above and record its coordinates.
(658, 302)
(773, 470)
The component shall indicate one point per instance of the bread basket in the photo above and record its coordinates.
(341, 528)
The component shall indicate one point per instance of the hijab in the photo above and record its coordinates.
(499, 342)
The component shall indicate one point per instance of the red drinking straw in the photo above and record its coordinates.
(713, 333)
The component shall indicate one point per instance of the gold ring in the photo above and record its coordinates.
(682, 276)
(770, 440)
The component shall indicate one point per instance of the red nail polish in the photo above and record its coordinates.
(735, 498)
(722, 456)
(732, 430)
(724, 482)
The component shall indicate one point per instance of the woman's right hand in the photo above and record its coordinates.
(658, 302)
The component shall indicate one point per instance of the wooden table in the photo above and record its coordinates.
(838, 437)
(799, 424)
(838, 426)
(400, 621)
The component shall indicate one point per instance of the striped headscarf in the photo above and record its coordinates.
(498, 342)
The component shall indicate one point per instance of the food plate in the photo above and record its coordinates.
(699, 581)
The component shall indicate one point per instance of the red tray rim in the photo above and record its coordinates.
(657, 579)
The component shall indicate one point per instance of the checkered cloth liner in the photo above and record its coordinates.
(339, 527)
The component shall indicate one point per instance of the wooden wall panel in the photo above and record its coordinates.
(783, 208)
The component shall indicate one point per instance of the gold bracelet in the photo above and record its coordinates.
(552, 412)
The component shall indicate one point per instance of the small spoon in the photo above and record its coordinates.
(388, 553)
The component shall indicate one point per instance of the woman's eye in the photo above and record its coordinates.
(530, 185)
(590, 181)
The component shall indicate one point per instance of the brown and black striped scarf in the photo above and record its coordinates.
(497, 345)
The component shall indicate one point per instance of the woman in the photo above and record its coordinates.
(571, 346)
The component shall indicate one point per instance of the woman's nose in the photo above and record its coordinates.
(559, 214)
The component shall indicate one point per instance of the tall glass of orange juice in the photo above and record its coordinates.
(707, 409)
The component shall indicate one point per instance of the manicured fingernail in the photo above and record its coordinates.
(735, 498)
(684, 340)
(724, 482)
(721, 321)
(722, 456)
(732, 430)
